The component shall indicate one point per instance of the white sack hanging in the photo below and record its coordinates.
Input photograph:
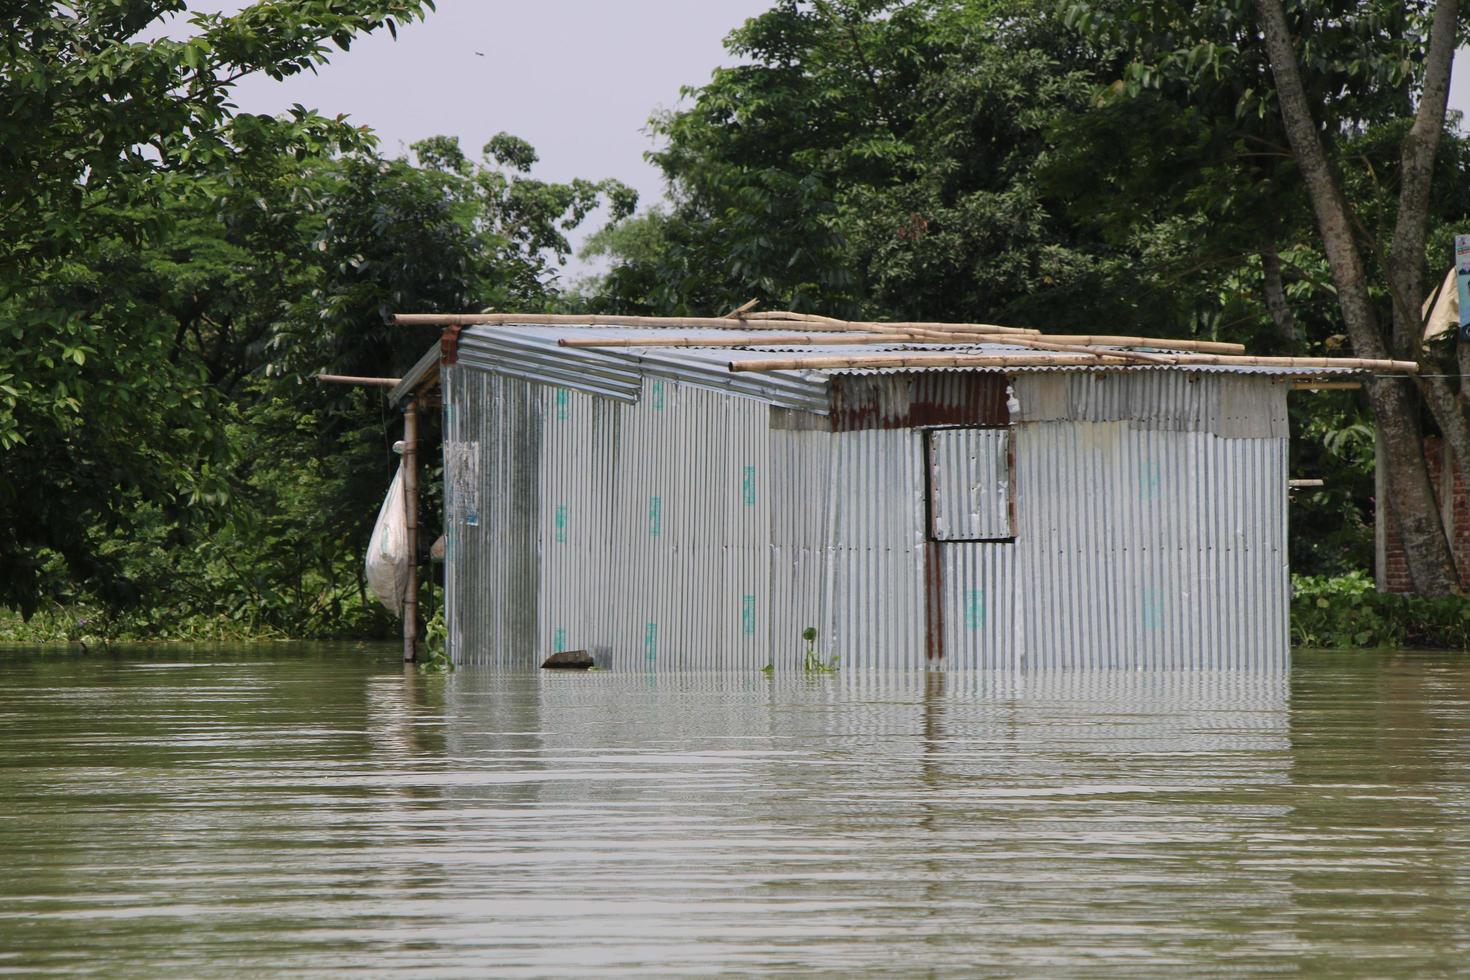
(387, 554)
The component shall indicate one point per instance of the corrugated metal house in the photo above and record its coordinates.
(652, 506)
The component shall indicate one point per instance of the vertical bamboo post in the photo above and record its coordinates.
(411, 522)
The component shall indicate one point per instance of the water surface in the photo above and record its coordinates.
(316, 809)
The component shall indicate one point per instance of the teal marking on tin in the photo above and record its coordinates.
(1153, 609)
(656, 395)
(561, 523)
(563, 401)
(747, 615)
(974, 609)
(1149, 479)
(650, 642)
(655, 516)
(747, 487)
(558, 640)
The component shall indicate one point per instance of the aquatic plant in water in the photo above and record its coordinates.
(812, 662)
(436, 647)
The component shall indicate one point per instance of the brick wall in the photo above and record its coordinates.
(1394, 567)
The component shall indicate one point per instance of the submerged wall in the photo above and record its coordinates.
(1146, 515)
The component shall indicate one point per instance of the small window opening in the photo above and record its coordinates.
(971, 484)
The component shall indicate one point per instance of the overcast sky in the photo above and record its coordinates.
(576, 78)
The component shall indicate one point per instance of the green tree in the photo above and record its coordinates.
(1057, 164)
(877, 158)
(1352, 97)
(263, 272)
(99, 131)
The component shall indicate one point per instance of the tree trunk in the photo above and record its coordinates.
(1275, 294)
(1411, 496)
(1416, 172)
(1394, 402)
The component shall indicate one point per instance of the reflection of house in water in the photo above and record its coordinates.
(683, 810)
(1054, 725)
(680, 503)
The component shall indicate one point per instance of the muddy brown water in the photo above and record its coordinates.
(317, 810)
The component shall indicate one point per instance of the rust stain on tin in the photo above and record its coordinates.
(915, 399)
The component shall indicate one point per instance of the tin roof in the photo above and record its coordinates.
(536, 352)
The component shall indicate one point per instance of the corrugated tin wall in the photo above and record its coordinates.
(688, 524)
(492, 441)
(847, 546)
(684, 531)
(1151, 531)
(639, 531)
(1135, 548)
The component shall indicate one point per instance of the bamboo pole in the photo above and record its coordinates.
(747, 322)
(411, 522)
(782, 320)
(951, 330)
(1136, 357)
(1348, 363)
(1059, 343)
(908, 326)
(1325, 385)
(928, 360)
(348, 379)
(746, 340)
(1109, 358)
(1201, 346)
(812, 340)
(787, 315)
(743, 308)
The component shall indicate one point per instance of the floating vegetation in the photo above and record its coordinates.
(435, 646)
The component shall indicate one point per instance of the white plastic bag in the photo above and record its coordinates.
(387, 555)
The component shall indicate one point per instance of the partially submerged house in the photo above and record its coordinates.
(694, 494)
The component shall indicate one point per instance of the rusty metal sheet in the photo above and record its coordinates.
(918, 398)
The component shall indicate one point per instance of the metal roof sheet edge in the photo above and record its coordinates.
(535, 349)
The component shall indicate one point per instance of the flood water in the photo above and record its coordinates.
(311, 810)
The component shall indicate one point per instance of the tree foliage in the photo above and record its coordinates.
(100, 133)
(894, 159)
(1354, 96)
(173, 276)
(1115, 163)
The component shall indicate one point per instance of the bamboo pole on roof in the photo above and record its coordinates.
(1350, 363)
(1100, 358)
(787, 315)
(957, 327)
(927, 360)
(1137, 357)
(659, 322)
(743, 308)
(1045, 343)
(1200, 346)
(594, 320)
(795, 339)
(1106, 340)
(814, 340)
(746, 340)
